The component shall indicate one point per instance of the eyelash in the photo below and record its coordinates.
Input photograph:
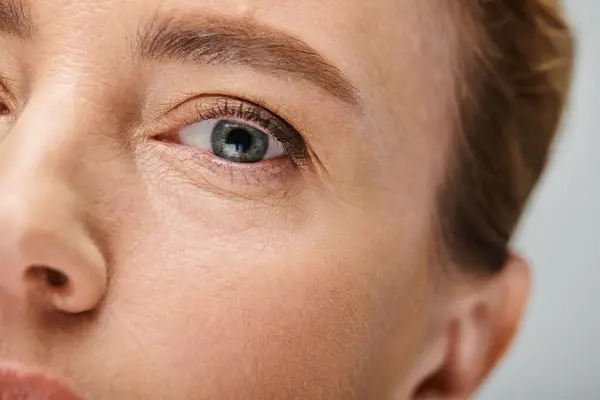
(4, 109)
(247, 112)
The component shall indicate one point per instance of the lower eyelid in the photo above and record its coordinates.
(204, 169)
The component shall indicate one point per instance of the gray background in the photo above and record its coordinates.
(558, 352)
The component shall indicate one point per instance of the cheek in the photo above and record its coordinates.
(264, 312)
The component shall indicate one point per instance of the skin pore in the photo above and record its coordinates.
(310, 275)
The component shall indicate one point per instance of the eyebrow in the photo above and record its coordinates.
(220, 41)
(15, 19)
(217, 41)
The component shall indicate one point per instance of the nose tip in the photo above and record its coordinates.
(63, 266)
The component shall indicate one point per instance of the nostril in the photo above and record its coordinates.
(56, 278)
(50, 276)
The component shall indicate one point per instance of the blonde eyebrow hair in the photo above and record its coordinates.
(15, 19)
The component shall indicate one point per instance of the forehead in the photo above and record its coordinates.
(344, 15)
(375, 42)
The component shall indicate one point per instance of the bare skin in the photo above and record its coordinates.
(308, 275)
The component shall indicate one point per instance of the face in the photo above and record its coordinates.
(223, 199)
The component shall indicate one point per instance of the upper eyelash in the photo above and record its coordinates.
(5, 108)
(283, 132)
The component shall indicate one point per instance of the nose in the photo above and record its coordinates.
(48, 255)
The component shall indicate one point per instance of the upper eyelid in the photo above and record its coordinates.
(167, 108)
(6, 87)
(11, 93)
(6, 83)
(226, 105)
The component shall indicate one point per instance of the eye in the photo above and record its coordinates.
(232, 141)
(235, 130)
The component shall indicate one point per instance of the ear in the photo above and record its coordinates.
(483, 315)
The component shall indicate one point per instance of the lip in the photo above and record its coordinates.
(25, 384)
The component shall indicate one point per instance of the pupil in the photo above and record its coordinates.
(240, 139)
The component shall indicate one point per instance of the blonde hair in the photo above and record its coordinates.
(517, 73)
